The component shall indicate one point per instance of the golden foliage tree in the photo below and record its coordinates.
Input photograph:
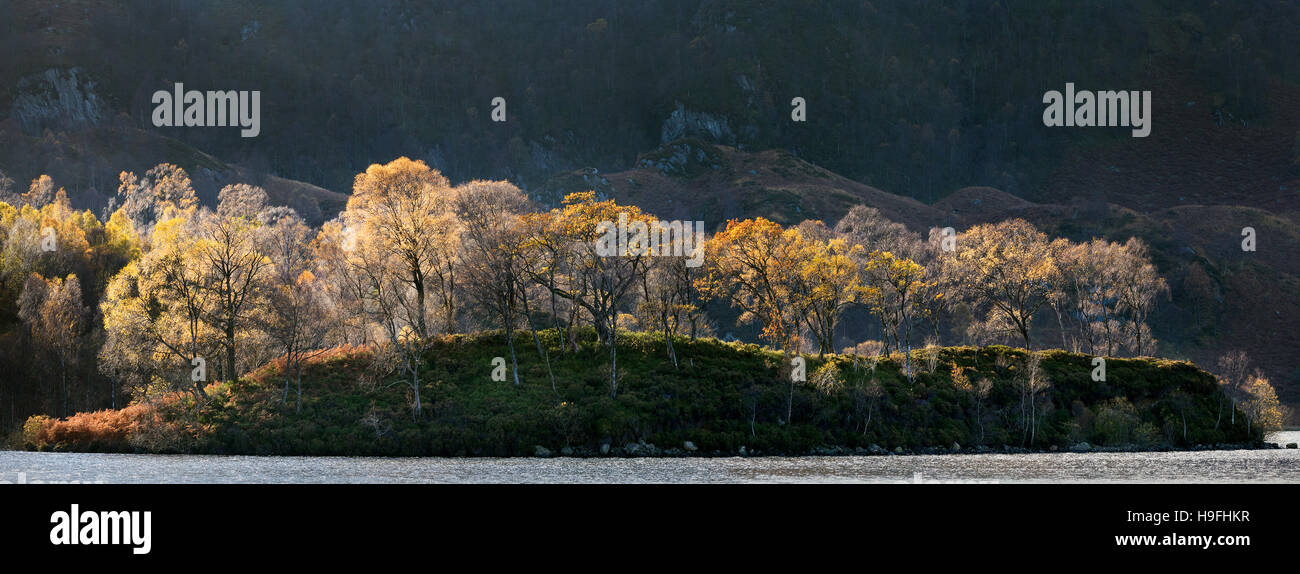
(1008, 270)
(401, 210)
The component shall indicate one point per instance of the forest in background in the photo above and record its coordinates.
(918, 98)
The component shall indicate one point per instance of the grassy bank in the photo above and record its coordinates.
(720, 397)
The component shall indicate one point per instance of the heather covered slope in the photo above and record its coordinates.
(720, 398)
(692, 179)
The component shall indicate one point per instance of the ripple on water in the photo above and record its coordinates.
(1236, 466)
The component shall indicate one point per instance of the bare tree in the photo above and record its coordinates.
(492, 236)
(298, 319)
(1033, 383)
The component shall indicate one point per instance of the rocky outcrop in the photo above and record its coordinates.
(58, 99)
(683, 123)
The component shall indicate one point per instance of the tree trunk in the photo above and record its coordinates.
(668, 339)
(1033, 415)
(907, 337)
(284, 398)
(514, 362)
(613, 359)
(538, 341)
(417, 281)
(555, 317)
(230, 351)
(63, 374)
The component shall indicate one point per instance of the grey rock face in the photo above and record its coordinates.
(686, 123)
(57, 99)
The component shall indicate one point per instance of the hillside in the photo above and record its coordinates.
(919, 98)
(86, 160)
(723, 398)
(692, 179)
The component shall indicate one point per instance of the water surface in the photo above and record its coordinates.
(1220, 466)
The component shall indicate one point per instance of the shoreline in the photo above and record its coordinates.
(648, 451)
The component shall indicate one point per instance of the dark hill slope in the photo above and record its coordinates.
(691, 179)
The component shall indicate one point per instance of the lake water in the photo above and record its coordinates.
(1232, 466)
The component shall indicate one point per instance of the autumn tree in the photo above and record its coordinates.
(1087, 293)
(233, 269)
(868, 227)
(602, 269)
(1233, 370)
(241, 200)
(402, 209)
(298, 317)
(1008, 271)
(51, 241)
(940, 306)
(1261, 406)
(343, 287)
(55, 316)
(1109, 289)
(755, 265)
(549, 256)
(146, 199)
(40, 193)
(828, 283)
(898, 291)
(1033, 383)
(492, 235)
(1138, 287)
(155, 309)
(669, 299)
(386, 298)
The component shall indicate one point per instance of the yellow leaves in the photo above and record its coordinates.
(899, 273)
(959, 378)
(169, 231)
(7, 214)
(827, 379)
(579, 197)
(582, 214)
(402, 177)
(829, 273)
(403, 207)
